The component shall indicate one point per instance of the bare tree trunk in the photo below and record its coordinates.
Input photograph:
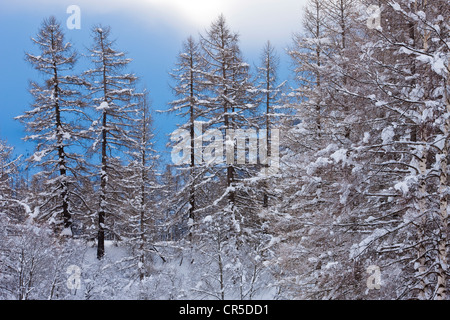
(442, 247)
(192, 165)
(103, 182)
(443, 204)
(101, 214)
(421, 258)
(142, 213)
(266, 186)
(422, 184)
(342, 23)
(220, 262)
(67, 218)
(143, 190)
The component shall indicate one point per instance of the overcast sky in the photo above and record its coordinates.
(150, 31)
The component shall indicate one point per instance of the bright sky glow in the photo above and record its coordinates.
(151, 31)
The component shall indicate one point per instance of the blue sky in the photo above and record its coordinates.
(150, 31)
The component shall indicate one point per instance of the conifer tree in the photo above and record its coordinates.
(142, 186)
(53, 122)
(190, 89)
(113, 98)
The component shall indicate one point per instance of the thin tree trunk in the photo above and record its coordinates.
(102, 211)
(421, 258)
(192, 165)
(143, 180)
(103, 182)
(442, 247)
(266, 186)
(347, 129)
(220, 262)
(318, 48)
(228, 126)
(67, 218)
(142, 215)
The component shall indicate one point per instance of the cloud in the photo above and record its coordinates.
(256, 20)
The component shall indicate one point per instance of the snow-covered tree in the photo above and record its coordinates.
(143, 207)
(319, 170)
(408, 173)
(230, 222)
(230, 104)
(113, 99)
(271, 99)
(34, 262)
(6, 170)
(189, 88)
(9, 202)
(54, 123)
(374, 189)
(309, 54)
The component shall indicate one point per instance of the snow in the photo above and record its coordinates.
(366, 137)
(37, 157)
(207, 219)
(340, 156)
(403, 187)
(387, 135)
(358, 249)
(320, 162)
(380, 103)
(103, 106)
(422, 15)
(440, 142)
(331, 265)
(438, 64)
(273, 241)
(66, 232)
(396, 6)
(319, 212)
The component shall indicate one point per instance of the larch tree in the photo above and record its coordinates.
(309, 54)
(408, 78)
(141, 184)
(231, 224)
(53, 122)
(270, 95)
(230, 105)
(189, 88)
(8, 170)
(320, 172)
(113, 99)
(383, 175)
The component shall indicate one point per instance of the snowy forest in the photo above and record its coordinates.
(346, 197)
